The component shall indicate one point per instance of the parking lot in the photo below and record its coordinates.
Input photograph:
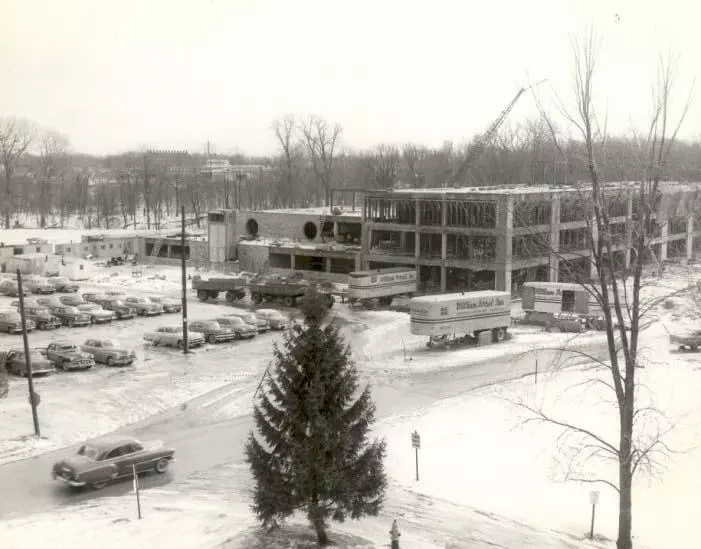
(103, 398)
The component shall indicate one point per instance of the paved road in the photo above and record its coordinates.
(203, 442)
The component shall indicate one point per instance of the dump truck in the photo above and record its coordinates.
(286, 291)
(381, 284)
(234, 288)
(460, 318)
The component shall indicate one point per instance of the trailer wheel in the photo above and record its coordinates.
(257, 298)
(202, 295)
(694, 348)
(331, 301)
(498, 334)
(213, 294)
(289, 301)
(230, 297)
(385, 301)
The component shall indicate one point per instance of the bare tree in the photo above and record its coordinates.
(16, 136)
(414, 157)
(320, 139)
(285, 129)
(617, 290)
(385, 165)
(53, 156)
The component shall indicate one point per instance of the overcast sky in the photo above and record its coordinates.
(122, 74)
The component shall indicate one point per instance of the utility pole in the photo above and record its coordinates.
(147, 200)
(27, 358)
(184, 278)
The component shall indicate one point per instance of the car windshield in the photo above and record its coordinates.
(250, 318)
(233, 320)
(118, 303)
(110, 343)
(89, 452)
(210, 325)
(67, 347)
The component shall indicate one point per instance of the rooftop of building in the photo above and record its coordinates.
(340, 211)
(288, 243)
(666, 186)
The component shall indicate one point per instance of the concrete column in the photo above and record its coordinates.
(417, 234)
(358, 262)
(505, 224)
(444, 282)
(629, 229)
(554, 239)
(663, 245)
(402, 240)
(690, 237)
(292, 261)
(328, 265)
(335, 230)
(595, 237)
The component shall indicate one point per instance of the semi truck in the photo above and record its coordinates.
(543, 300)
(235, 288)
(381, 284)
(449, 319)
(288, 293)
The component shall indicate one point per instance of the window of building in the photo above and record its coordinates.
(38, 249)
(216, 217)
(102, 247)
(68, 250)
(18, 251)
(111, 246)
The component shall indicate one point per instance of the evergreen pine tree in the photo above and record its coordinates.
(315, 455)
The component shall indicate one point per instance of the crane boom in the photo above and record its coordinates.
(478, 148)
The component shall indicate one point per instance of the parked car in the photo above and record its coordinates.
(68, 356)
(70, 316)
(173, 336)
(116, 293)
(28, 302)
(16, 362)
(114, 262)
(11, 323)
(144, 306)
(690, 341)
(249, 318)
(169, 304)
(121, 310)
(569, 322)
(72, 300)
(50, 302)
(39, 285)
(11, 288)
(63, 284)
(212, 331)
(240, 328)
(94, 297)
(275, 318)
(108, 351)
(97, 314)
(41, 316)
(111, 458)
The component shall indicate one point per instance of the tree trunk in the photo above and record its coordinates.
(320, 528)
(625, 468)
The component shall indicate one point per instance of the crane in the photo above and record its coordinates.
(478, 148)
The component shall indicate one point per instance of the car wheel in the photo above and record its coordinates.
(92, 320)
(162, 465)
(181, 345)
(99, 485)
(212, 338)
(41, 326)
(110, 361)
(69, 323)
(289, 301)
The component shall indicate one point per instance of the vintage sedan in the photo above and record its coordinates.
(11, 288)
(39, 285)
(11, 323)
(49, 302)
(169, 304)
(173, 336)
(120, 309)
(275, 318)
(63, 284)
(110, 458)
(212, 331)
(144, 306)
(41, 316)
(249, 318)
(72, 300)
(94, 297)
(68, 356)
(70, 316)
(16, 362)
(108, 351)
(240, 328)
(97, 314)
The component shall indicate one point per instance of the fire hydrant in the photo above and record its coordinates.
(394, 534)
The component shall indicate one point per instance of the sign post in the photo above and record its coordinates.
(593, 499)
(416, 443)
(136, 489)
(184, 279)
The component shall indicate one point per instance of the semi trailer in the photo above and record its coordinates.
(448, 319)
(381, 284)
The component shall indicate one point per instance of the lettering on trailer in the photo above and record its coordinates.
(400, 277)
(547, 291)
(481, 304)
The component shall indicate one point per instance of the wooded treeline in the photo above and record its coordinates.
(42, 178)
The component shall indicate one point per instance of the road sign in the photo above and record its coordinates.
(594, 497)
(415, 440)
(37, 399)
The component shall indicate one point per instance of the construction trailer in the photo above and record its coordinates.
(559, 297)
(381, 284)
(461, 317)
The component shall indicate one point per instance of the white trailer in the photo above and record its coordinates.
(462, 316)
(559, 297)
(381, 284)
